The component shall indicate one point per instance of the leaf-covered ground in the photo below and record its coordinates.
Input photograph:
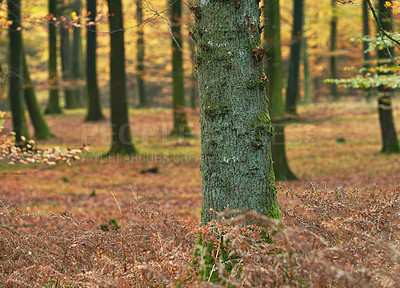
(332, 144)
(106, 221)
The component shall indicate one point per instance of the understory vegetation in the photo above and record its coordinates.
(329, 238)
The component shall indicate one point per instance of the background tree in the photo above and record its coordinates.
(15, 70)
(181, 128)
(93, 99)
(42, 130)
(53, 104)
(292, 91)
(390, 142)
(140, 58)
(333, 49)
(121, 134)
(236, 162)
(71, 101)
(194, 97)
(366, 32)
(77, 55)
(273, 70)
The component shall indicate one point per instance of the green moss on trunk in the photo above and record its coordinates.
(236, 172)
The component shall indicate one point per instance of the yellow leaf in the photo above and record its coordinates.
(74, 16)
(388, 4)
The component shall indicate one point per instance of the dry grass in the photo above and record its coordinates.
(341, 229)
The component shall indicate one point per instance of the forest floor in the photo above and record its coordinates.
(106, 221)
(332, 145)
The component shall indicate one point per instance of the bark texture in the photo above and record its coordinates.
(121, 134)
(390, 143)
(181, 128)
(53, 104)
(140, 90)
(292, 91)
(15, 71)
(94, 112)
(273, 69)
(236, 162)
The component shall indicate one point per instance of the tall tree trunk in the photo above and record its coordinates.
(194, 97)
(385, 108)
(307, 74)
(77, 57)
(273, 69)
(15, 71)
(333, 49)
(366, 32)
(42, 130)
(53, 104)
(143, 103)
(236, 161)
(181, 128)
(71, 102)
(121, 134)
(292, 91)
(93, 100)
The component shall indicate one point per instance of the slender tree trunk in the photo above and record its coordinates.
(121, 134)
(390, 143)
(15, 71)
(53, 104)
(143, 103)
(93, 106)
(292, 91)
(273, 69)
(181, 128)
(71, 102)
(333, 49)
(307, 74)
(77, 58)
(42, 130)
(194, 97)
(236, 161)
(366, 32)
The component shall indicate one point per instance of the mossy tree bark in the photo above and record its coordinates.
(94, 112)
(333, 49)
(42, 130)
(53, 104)
(15, 71)
(292, 91)
(77, 57)
(273, 69)
(390, 143)
(181, 128)
(236, 161)
(366, 32)
(121, 134)
(71, 101)
(140, 89)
